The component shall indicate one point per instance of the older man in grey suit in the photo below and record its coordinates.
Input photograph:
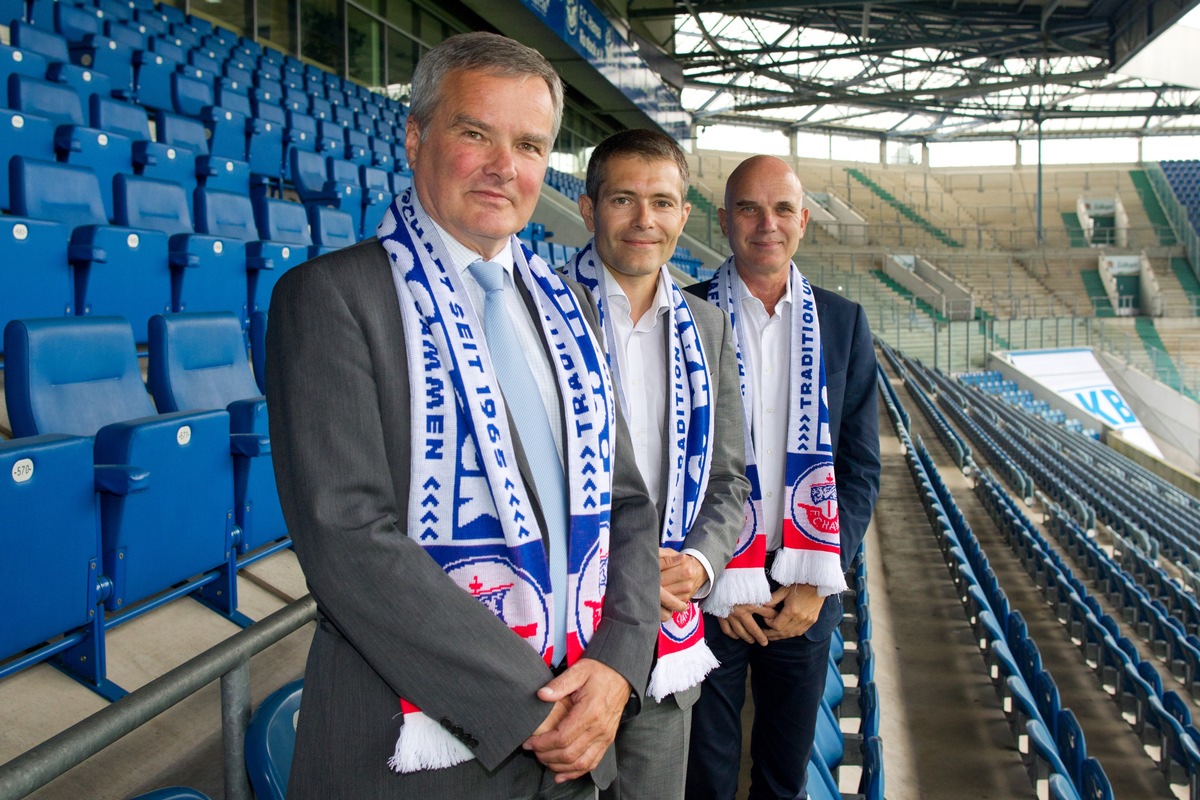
(676, 373)
(479, 565)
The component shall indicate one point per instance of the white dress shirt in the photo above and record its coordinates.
(462, 257)
(641, 356)
(766, 344)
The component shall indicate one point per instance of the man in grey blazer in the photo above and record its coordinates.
(392, 624)
(635, 208)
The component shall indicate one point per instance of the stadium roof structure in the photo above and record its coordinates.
(924, 70)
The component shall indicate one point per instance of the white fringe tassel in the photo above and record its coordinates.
(823, 570)
(681, 670)
(736, 587)
(424, 744)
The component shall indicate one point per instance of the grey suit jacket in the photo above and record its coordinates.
(391, 623)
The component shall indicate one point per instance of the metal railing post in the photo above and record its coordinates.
(235, 716)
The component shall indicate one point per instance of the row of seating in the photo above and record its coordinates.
(1159, 717)
(116, 503)
(1048, 736)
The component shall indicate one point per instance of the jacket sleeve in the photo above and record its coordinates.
(427, 639)
(856, 465)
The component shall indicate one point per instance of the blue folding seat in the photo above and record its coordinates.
(300, 134)
(402, 180)
(1042, 759)
(117, 270)
(1071, 745)
(319, 108)
(198, 361)
(381, 155)
(153, 21)
(186, 34)
(342, 114)
(150, 158)
(59, 68)
(74, 23)
(223, 174)
(284, 222)
(266, 132)
(310, 175)
(10, 10)
(331, 229)
(232, 216)
(111, 57)
(181, 131)
(22, 135)
(174, 14)
(1095, 785)
(173, 526)
(152, 71)
(258, 345)
(199, 25)
(51, 592)
(15, 61)
(114, 10)
(358, 147)
(242, 75)
(206, 60)
(35, 272)
(271, 740)
(208, 273)
(345, 180)
(314, 85)
(377, 196)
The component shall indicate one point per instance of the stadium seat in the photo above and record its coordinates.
(271, 740)
(331, 229)
(117, 270)
(151, 159)
(198, 361)
(208, 273)
(51, 585)
(166, 533)
(15, 61)
(35, 272)
(232, 215)
(22, 135)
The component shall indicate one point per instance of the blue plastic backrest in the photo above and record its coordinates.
(198, 361)
(74, 23)
(271, 741)
(182, 132)
(48, 504)
(14, 60)
(281, 221)
(331, 227)
(343, 171)
(148, 203)
(56, 102)
(308, 171)
(126, 119)
(39, 40)
(190, 95)
(72, 375)
(56, 192)
(225, 214)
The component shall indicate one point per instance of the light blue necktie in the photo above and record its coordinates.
(533, 427)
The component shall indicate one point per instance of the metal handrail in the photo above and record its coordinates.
(229, 661)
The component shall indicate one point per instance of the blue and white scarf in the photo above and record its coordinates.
(811, 551)
(683, 657)
(469, 506)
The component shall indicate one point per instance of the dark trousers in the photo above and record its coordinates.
(788, 679)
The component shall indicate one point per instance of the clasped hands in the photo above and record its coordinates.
(589, 697)
(790, 612)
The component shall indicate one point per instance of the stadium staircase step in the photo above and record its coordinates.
(1163, 365)
(1095, 290)
(907, 295)
(1187, 279)
(906, 210)
(1074, 229)
(1162, 226)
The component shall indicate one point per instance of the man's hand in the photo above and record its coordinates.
(792, 611)
(741, 624)
(681, 576)
(594, 696)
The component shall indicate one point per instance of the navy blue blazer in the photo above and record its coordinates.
(850, 380)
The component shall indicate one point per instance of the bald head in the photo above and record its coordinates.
(764, 217)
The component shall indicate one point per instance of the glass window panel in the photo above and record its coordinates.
(365, 37)
(321, 33)
(401, 61)
(277, 24)
(233, 14)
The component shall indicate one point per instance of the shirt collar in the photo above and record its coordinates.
(616, 294)
(782, 308)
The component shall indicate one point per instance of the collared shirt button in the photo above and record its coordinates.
(770, 494)
(770, 451)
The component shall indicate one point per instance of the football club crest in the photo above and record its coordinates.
(814, 503)
(683, 624)
(749, 527)
(593, 579)
(509, 593)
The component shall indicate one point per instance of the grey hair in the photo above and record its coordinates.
(484, 52)
(648, 145)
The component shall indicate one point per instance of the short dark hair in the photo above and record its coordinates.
(480, 51)
(645, 144)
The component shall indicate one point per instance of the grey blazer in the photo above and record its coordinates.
(390, 621)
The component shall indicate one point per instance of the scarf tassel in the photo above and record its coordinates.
(820, 569)
(736, 587)
(424, 744)
(681, 670)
